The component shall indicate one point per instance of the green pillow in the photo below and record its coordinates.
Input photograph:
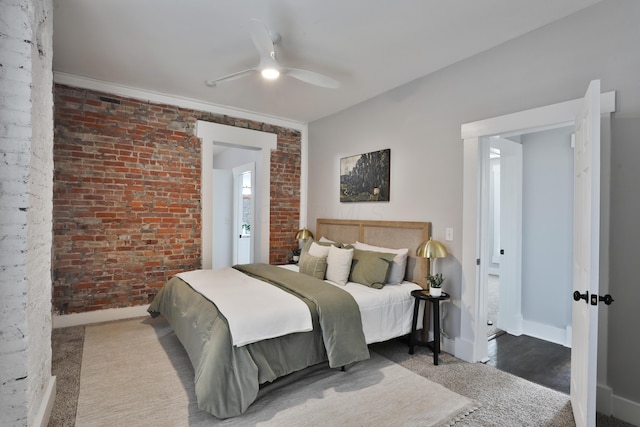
(370, 268)
(313, 266)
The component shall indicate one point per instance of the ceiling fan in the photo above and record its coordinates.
(269, 67)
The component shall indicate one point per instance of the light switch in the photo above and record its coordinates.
(448, 234)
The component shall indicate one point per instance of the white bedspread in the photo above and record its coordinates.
(386, 313)
(254, 311)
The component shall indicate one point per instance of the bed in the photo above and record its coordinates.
(255, 341)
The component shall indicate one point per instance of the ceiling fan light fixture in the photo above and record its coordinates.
(270, 73)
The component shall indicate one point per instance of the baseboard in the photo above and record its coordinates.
(463, 349)
(98, 316)
(46, 406)
(546, 332)
(604, 397)
(625, 410)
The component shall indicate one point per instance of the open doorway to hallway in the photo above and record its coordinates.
(530, 257)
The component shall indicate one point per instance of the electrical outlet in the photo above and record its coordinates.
(448, 234)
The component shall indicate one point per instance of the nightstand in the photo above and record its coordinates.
(434, 346)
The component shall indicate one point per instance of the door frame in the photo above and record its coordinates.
(471, 344)
(209, 132)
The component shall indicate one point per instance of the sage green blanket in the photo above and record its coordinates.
(227, 378)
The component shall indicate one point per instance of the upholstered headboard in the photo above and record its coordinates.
(388, 234)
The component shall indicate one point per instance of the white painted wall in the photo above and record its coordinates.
(547, 232)
(421, 120)
(26, 188)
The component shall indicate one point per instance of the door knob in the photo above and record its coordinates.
(577, 296)
(607, 299)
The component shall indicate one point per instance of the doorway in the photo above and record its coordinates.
(263, 143)
(530, 234)
(469, 346)
(235, 194)
(530, 248)
(244, 207)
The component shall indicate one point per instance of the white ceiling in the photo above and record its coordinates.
(370, 46)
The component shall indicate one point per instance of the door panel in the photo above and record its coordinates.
(510, 316)
(586, 251)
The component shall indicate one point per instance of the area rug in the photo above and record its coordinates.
(136, 373)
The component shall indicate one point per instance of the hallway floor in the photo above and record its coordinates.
(539, 361)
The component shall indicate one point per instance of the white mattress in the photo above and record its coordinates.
(386, 313)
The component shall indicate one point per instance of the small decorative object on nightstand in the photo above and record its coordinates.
(434, 346)
(435, 284)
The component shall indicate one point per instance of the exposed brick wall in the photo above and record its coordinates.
(127, 196)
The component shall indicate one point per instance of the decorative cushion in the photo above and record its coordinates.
(318, 250)
(309, 242)
(339, 265)
(398, 266)
(370, 268)
(313, 265)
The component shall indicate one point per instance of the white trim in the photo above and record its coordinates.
(548, 117)
(625, 410)
(544, 332)
(161, 98)
(466, 346)
(604, 399)
(46, 406)
(304, 177)
(98, 316)
(463, 349)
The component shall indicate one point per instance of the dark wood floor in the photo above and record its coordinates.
(539, 361)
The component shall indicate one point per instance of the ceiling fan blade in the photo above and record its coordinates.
(313, 78)
(261, 38)
(239, 74)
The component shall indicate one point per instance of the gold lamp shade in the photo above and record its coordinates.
(304, 234)
(431, 249)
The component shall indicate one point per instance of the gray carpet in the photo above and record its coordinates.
(148, 379)
(503, 398)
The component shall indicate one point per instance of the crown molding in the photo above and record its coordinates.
(161, 98)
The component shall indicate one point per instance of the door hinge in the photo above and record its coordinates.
(478, 261)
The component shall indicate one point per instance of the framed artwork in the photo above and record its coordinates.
(365, 177)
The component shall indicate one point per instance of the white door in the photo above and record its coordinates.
(510, 317)
(586, 251)
(244, 207)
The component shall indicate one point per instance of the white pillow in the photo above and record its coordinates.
(339, 265)
(398, 266)
(320, 251)
(325, 240)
